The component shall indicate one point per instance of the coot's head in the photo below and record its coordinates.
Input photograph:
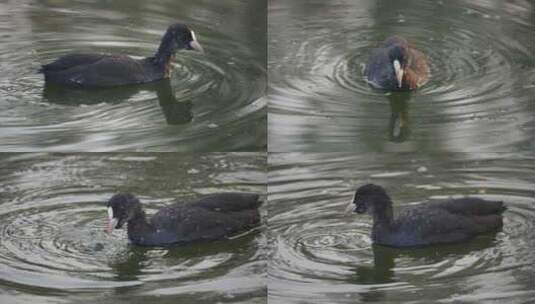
(398, 55)
(122, 207)
(179, 36)
(370, 198)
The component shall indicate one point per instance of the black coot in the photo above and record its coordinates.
(395, 66)
(445, 221)
(100, 70)
(210, 218)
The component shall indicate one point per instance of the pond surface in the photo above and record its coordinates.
(320, 254)
(479, 97)
(54, 248)
(211, 103)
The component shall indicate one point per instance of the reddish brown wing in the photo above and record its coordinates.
(417, 72)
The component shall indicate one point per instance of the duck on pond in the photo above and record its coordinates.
(86, 70)
(396, 66)
(210, 218)
(444, 221)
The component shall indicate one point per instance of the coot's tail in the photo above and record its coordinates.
(487, 223)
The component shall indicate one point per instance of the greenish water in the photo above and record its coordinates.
(53, 247)
(321, 254)
(479, 97)
(212, 102)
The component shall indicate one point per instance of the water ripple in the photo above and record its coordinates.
(53, 219)
(322, 254)
(480, 78)
(206, 104)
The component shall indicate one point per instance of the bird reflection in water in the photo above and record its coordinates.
(383, 270)
(399, 127)
(176, 112)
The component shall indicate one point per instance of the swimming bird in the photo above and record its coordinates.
(444, 221)
(396, 66)
(212, 217)
(88, 70)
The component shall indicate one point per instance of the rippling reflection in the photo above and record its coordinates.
(399, 119)
(221, 89)
(176, 112)
(54, 248)
(478, 97)
(322, 254)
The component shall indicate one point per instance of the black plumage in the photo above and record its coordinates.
(445, 221)
(103, 70)
(210, 218)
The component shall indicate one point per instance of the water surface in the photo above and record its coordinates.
(53, 245)
(211, 103)
(320, 254)
(479, 97)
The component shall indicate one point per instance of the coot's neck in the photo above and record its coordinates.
(382, 221)
(383, 216)
(138, 227)
(166, 52)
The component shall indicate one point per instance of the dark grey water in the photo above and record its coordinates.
(53, 247)
(212, 102)
(479, 97)
(320, 254)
